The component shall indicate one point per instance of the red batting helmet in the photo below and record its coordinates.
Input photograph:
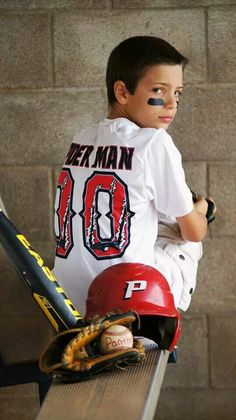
(140, 288)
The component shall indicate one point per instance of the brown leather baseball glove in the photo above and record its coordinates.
(75, 354)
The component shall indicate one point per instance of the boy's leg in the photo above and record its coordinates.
(170, 270)
(185, 257)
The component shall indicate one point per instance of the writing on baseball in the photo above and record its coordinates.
(116, 337)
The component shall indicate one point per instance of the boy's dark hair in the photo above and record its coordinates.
(132, 57)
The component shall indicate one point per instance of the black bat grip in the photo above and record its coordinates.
(210, 211)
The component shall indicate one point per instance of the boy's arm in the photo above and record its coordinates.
(193, 226)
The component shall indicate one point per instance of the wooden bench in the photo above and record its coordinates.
(130, 394)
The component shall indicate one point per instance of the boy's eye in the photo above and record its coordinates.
(159, 91)
(178, 93)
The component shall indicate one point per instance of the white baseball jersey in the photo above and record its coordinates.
(115, 179)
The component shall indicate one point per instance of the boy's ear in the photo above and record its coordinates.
(120, 92)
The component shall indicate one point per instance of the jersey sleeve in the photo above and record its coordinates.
(165, 177)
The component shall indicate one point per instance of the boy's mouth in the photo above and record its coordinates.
(166, 118)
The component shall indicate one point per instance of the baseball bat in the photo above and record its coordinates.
(38, 278)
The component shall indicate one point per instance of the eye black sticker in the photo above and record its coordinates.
(156, 101)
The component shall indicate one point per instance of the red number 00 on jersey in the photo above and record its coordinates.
(106, 215)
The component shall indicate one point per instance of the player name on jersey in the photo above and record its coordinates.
(105, 157)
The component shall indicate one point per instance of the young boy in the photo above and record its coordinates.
(122, 195)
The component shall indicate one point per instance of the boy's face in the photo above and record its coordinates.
(155, 100)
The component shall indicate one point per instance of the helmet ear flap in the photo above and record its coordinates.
(168, 328)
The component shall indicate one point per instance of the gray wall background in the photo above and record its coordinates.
(52, 63)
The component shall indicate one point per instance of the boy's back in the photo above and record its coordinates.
(115, 178)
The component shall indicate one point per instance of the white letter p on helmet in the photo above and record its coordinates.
(134, 286)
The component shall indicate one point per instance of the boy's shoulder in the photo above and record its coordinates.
(124, 126)
(154, 132)
(158, 137)
(125, 129)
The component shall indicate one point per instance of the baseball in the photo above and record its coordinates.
(116, 337)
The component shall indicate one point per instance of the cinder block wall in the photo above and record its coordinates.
(52, 62)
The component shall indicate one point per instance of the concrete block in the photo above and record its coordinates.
(25, 51)
(204, 128)
(24, 338)
(196, 404)
(222, 188)
(26, 194)
(80, 60)
(37, 128)
(54, 4)
(222, 334)
(216, 286)
(191, 369)
(222, 48)
(19, 402)
(196, 176)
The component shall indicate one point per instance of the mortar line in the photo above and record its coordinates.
(208, 191)
(19, 89)
(207, 44)
(209, 352)
(207, 178)
(51, 193)
(52, 48)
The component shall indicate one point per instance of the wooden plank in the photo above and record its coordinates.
(130, 394)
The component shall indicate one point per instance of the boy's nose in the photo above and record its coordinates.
(171, 102)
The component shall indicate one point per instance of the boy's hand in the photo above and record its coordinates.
(193, 226)
(205, 206)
